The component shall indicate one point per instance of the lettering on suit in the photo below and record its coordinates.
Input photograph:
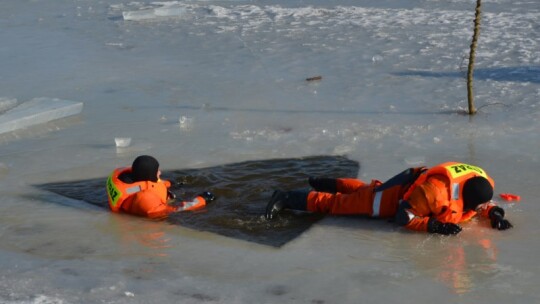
(113, 191)
(458, 170)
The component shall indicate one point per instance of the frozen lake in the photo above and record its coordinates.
(207, 83)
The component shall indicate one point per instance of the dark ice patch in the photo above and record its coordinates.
(278, 290)
(242, 191)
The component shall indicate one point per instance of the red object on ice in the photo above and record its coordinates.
(510, 197)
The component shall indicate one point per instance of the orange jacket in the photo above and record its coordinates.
(438, 193)
(146, 198)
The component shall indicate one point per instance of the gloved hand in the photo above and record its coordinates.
(435, 226)
(208, 196)
(496, 215)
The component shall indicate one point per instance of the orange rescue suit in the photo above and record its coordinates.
(436, 192)
(145, 198)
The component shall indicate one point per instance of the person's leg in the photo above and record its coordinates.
(296, 200)
(349, 185)
(364, 201)
(334, 185)
(359, 202)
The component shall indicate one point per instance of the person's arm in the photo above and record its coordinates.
(426, 201)
(197, 203)
(406, 217)
(484, 209)
(148, 204)
(495, 214)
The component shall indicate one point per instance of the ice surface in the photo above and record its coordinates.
(37, 111)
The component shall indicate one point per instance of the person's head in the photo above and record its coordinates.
(145, 168)
(476, 191)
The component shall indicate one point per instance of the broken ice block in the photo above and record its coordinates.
(186, 123)
(149, 14)
(37, 111)
(7, 103)
(122, 142)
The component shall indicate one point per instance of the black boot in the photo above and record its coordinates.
(280, 200)
(323, 184)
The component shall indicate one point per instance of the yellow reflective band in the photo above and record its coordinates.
(458, 170)
(112, 191)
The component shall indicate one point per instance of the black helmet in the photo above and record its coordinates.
(145, 168)
(476, 191)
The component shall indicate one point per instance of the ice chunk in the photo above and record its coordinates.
(7, 103)
(122, 142)
(377, 59)
(149, 14)
(415, 160)
(186, 123)
(138, 15)
(37, 111)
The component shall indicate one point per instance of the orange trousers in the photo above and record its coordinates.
(355, 197)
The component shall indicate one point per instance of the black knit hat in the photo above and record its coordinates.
(145, 168)
(476, 191)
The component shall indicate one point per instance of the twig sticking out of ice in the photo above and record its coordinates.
(314, 78)
(37, 111)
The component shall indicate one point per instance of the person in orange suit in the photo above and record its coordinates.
(433, 200)
(138, 190)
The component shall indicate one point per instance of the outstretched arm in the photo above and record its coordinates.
(149, 204)
(495, 214)
(197, 203)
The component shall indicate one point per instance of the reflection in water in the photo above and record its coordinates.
(242, 191)
(454, 270)
(140, 236)
(460, 272)
(458, 264)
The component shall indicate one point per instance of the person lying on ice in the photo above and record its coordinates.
(435, 200)
(139, 190)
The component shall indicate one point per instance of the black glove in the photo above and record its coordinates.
(434, 226)
(208, 196)
(496, 215)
